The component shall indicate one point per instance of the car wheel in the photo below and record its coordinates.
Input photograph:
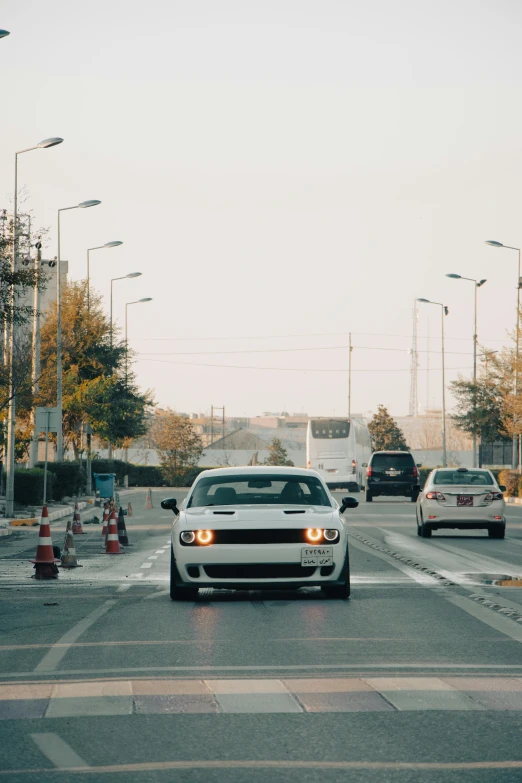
(497, 531)
(414, 497)
(179, 593)
(369, 496)
(340, 591)
(425, 531)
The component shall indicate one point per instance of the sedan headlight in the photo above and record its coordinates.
(188, 536)
(196, 537)
(316, 535)
(204, 537)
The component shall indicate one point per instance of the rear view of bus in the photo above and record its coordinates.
(337, 448)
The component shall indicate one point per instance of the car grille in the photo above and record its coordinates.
(274, 536)
(259, 571)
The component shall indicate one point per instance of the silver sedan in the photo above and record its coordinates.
(461, 498)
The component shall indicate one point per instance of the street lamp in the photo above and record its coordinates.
(477, 284)
(444, 311)
(11, 416)
(515, 458)
(59, 389)
(124, 277)
(138, 301)
(116, 243)
(4, 33)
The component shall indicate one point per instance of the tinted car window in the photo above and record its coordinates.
(471, 477)
(240, 490)
(383, 461)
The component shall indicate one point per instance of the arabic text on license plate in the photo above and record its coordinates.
(317, 556)
(464, 500)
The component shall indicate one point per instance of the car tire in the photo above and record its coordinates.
(340, 591)
(414, 497)
(369, 496)
(425, 531)
(179, 593)
(497, 531)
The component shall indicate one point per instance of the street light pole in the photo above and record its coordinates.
(138, 301)
(116, 243)
(59, 369)
(124, 277)
(444, 311)
(515, 457)
(477, 284)
(11, 415)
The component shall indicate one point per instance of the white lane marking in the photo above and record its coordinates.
(152, 557)
(157, 594)
(51, 660)
(485, 615)
(146, 565)
(417, 576)
(136, 576)
(57, 751)
(123, 588)
(159, 551)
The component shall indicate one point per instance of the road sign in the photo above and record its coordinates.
(47, 420)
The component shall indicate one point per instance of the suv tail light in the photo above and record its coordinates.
(415, 472)
(494, 496)
(354, 466)
(369, 470)
(435, 496)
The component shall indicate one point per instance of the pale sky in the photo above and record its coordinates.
(282, 172)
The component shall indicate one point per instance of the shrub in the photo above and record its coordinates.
(28, 486)
(145, 476)
(69, 478)
(117, 466)
(424, 472)
(510, 479)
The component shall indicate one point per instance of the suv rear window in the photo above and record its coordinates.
(383, 461)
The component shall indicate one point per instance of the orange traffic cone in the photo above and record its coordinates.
(129, 509)
(105, 519)
(45, 561)
(69, 559)
(112, 546)
(148, 499)
(77, 528)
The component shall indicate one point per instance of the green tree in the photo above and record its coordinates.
(178, 444)
(386, 435)
(481, 408)
(278, 455)
(96, 388)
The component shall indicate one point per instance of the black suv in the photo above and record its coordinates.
(392, 473)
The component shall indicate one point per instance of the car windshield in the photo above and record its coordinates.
(461, 477)
(240, 490)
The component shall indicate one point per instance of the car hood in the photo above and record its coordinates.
(219, 517)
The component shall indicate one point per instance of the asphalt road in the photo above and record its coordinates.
(417, 677)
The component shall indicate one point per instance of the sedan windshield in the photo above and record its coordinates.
(260, 490)
(481, 478)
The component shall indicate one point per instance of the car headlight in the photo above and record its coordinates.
(331, 535)
(188, 536)
(204, 537)
(314, 534)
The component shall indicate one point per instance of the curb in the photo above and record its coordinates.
(516, 501)
(33, 521)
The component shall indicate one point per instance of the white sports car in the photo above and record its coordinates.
(463, 499)
(259, 527)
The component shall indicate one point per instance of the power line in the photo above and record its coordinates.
(304, 334)
(286, 369)
(291, 350)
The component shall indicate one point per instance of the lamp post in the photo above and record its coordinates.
(124, 277)
(477, 284)
(11, 416)
(138, 301)
(444, 311)
(116, 243)
(4, 33)
(515, 456)
(59, 389)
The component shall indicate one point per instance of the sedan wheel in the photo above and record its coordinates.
(179, 593)
(425, 531)
(340, 591)
(497, 531)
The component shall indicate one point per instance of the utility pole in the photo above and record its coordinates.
(33, 456)
(414, 384)
(350, 349)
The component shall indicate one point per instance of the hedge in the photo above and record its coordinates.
(145, 476)
(28, 486)
(69, 481)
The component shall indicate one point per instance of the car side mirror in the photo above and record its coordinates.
(365, 464)
(170, 503)
(502, 488)
(419, 464)
(348, 502)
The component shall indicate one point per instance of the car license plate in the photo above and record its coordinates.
(317, 556)
(464, 500)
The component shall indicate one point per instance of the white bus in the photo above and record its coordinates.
(337, 448)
